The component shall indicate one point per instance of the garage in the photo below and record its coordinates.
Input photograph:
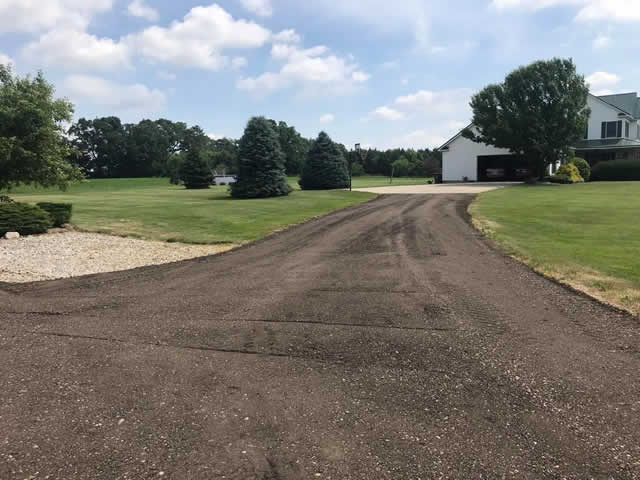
(501, 168)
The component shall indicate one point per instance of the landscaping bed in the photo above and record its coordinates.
(71, 254)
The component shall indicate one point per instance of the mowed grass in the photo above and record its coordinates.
(379, 181)
(152, 209)
(586, 235)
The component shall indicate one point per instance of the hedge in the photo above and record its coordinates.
(616, 171)
(23, 218)
(60, 212)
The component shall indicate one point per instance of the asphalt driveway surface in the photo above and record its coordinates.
(385, 341)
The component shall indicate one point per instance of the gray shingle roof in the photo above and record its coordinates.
(627, 102)
(606, 143)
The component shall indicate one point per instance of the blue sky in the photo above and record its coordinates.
(385, 74)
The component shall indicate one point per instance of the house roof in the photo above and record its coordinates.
(455, 137)
(606, 143)
(627, 102)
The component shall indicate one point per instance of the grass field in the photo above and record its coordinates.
(150, 208)
(585, 235)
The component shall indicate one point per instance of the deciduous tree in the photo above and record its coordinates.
(535, 113)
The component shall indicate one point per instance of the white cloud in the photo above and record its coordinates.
(387, 113)
(327, 118)
(286, 36)
(138, 8)
(75, 49)
(214, 136)
(38, 15)
(601, 82)
(133, 100)
(238, 63)
(601, 41)
(314, 71)
(6, 60)
(262, 8)
(199, 40)
(434, 114)
(588, 10)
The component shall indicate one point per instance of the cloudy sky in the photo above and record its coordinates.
(385, 74)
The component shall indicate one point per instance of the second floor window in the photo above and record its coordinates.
(612, 129)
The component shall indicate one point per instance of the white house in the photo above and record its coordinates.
(613, 133)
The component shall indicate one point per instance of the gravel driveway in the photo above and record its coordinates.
(70, 254)
(436, 189)
(385, 341)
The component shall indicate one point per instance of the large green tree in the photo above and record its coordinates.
(536, 113)
(261, 169)
(325, 167)
(33, 145)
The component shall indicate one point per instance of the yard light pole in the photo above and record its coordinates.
(351, 167)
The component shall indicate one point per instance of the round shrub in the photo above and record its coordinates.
(60, 213)
(616, 171)
(23, 218)
(560, 178)
(583, 167)
(571, 171)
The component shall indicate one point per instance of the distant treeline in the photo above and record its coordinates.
(107, 148)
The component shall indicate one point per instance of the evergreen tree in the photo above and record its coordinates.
(194, 172)
(325, 167)
(261, 169)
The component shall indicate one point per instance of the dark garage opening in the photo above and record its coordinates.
(502, 168)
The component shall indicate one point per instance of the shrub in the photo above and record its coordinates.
(5, 199)
(357, 170)
(560, 178)
(583, 167)
(23, 218)
(60, 213)
(571, 172)
(261, 163)
(616, 171)
(194, 172)
(324, 167)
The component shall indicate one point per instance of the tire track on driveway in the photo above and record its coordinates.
(385, 341)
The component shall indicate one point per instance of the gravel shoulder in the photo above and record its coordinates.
(72, 254)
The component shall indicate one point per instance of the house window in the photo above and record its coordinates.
(612, 129)
(626, 129)
(586, 132)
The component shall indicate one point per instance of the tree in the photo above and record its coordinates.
(194, 172)
(536, 112)
(261, 170)
(101, 146)
(325, 167)
(401, 167)
(293, 146)
(33, 145)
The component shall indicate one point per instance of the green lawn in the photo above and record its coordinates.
(378, 181)
(151, 208)
(587, 235)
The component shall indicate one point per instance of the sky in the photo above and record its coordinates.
(383, 74)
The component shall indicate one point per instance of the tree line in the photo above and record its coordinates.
(108, 148)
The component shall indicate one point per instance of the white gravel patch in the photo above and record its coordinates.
(71, 254)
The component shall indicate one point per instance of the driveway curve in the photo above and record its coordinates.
(384, 341)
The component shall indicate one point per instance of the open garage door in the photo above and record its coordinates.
(502, 168)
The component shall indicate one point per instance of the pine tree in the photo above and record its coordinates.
(261, 165)
(194, 172)
(325, 167)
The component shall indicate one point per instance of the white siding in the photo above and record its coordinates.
(601, 112)
(461, 160)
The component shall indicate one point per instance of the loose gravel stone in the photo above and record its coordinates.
(71, 254)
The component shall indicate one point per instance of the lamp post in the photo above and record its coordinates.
(358, 150)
